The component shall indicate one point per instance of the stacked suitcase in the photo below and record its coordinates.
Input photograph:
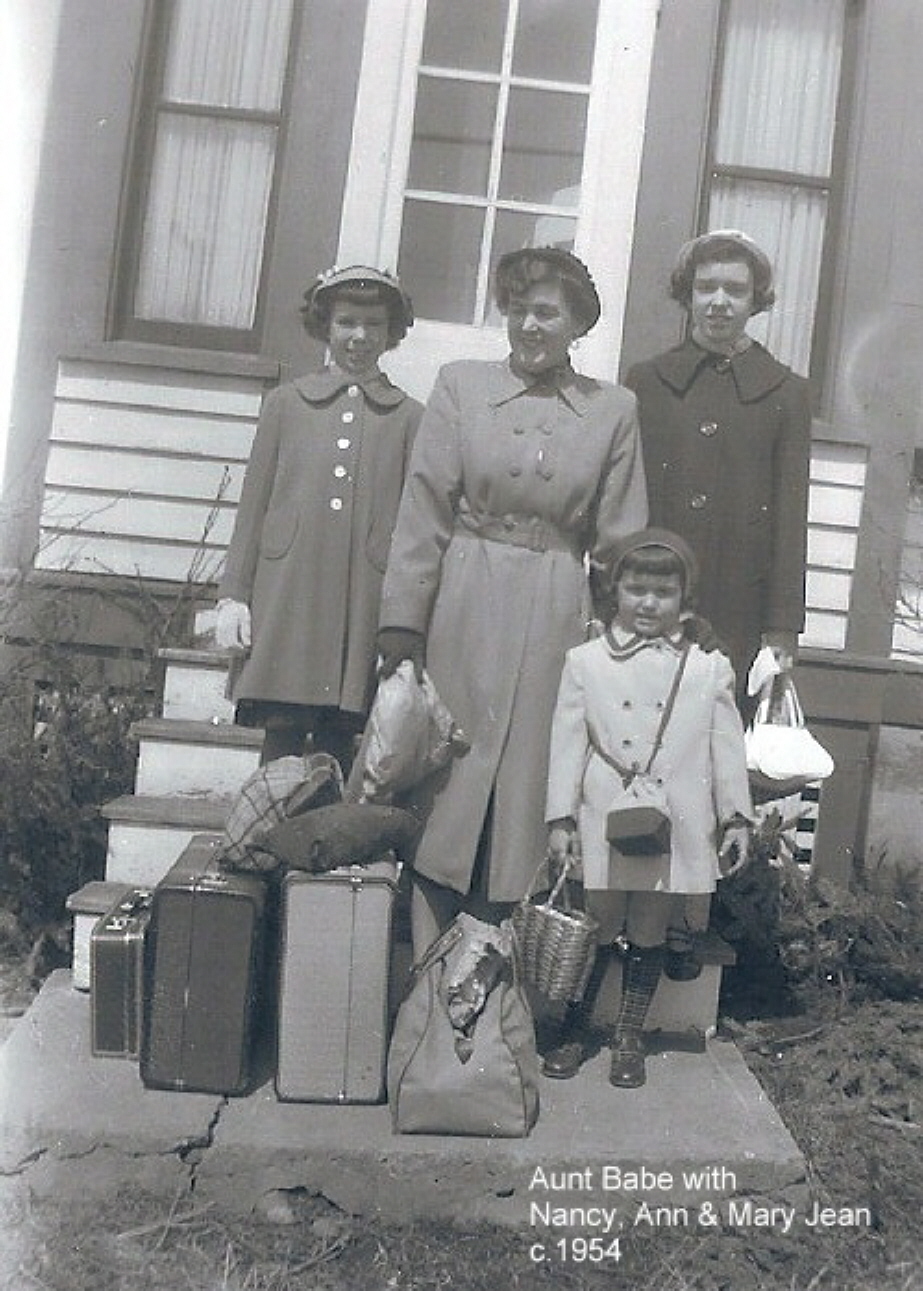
(188, 979)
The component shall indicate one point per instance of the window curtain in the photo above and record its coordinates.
(777, 112)
(211, 176)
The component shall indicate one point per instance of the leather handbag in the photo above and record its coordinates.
(463, 1058)
(638, 820)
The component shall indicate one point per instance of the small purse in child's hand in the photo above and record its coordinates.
(638, 822)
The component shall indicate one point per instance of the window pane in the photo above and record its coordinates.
(788, 223)
(458, 35)
(438, 262)
(202, 242)
(543, 148)
(453, 130)
(555, 39)
(229, 53)
(779, 84)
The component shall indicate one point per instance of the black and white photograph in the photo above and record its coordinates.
(461, 645)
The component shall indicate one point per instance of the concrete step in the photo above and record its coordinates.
(195, 685)
(147, 833)
(191, 757)
(76, 1126)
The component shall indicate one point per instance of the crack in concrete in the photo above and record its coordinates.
(193, 1150)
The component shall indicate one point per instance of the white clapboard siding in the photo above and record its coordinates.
(145, 468)
(834, 512)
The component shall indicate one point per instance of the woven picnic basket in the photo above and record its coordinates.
(556, 944)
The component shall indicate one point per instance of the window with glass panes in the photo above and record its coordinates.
(774, 151)
(206, 165)
(497, 148)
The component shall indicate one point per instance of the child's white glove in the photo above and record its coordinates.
(232, 625)
(734, 851)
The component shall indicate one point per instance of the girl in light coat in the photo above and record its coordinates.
(611, 703)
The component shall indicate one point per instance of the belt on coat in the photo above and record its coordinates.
(530, 532)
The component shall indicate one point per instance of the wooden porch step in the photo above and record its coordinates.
(193, 757)
(194, 684)
(147, 832)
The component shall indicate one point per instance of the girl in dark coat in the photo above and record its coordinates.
(726, 435)
(313, 528)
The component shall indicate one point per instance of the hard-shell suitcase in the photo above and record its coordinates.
(88, 905)
(116, 976)
(204, 975)
(333, 994)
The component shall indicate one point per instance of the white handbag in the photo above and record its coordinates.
(782, 754)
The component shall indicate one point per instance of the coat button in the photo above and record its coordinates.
(343, 443)
(339, 472)
(352, 391)
(626, 703)
(519, 430)
(348, 417)
(626, 744)
(336, 504)
(708, 428)
(698, 501)
(515, 470)
(722, 365)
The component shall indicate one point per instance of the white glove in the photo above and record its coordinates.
(232, 625)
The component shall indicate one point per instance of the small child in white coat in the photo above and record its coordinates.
(614, 693)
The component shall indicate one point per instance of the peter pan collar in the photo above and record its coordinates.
(624, 645)
(321, 387)
(573, 388)
(755, 371)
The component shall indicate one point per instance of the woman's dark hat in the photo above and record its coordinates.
(381, 286)
(521, 268)
(655, 538)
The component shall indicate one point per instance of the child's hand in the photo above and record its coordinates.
(735, 848)
(563, 846)
(232, 625)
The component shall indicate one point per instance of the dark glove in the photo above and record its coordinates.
(397, 644)
(700, 631)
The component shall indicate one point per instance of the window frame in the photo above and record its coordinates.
(122, 323)
(834, 184)
(372, 207)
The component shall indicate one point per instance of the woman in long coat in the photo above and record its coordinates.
(726, 430)
(314, 525)
(520, 470)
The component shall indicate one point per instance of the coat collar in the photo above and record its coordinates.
(505, 385)
(321, 387)
(755, 371)
(624, 645)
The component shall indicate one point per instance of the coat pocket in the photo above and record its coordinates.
(279, 530)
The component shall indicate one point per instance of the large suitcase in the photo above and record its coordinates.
(116, 976)
(333, 993)
(205, 975)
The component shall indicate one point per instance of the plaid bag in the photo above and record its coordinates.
(276, 792)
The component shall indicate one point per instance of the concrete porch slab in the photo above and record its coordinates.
(702, 1128)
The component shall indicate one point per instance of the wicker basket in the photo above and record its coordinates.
(556, 945)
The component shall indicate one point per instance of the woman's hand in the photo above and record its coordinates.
(735, 848)
(232, 625)
(397, 644)
(563, 847)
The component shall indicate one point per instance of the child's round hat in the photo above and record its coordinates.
(655, 537)
(381, 286)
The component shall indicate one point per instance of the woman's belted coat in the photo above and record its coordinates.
(312, 536)
(510, 486)
(727, 450)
